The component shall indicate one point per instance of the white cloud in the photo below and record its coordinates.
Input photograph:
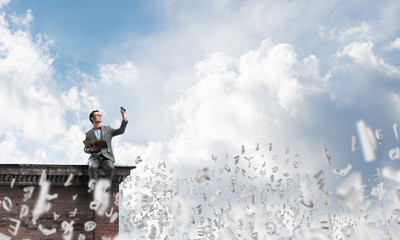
(292, 92)
(125, 74)
(362, 54)
(395, 44)
(69, 147)
(362, 32)
(23, 20)
(3, 3)
(27, 101)
(36, 121)
(79, 103)
(10, 152)
(242, 100)
(126, 153)
(36, 112)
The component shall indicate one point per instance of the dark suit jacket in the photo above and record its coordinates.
(107, 133)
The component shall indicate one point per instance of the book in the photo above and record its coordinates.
(102, 143)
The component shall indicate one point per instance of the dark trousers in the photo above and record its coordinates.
(105, 163)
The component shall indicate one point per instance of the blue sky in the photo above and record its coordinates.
(80, 28)
(163, 42)
(199, 78)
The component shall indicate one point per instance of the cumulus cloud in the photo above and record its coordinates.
(40, 119)
(36, 121)
(362, 53)
(361, 32)
(10, 151)
(3, 3)
(76, 101)
(23, 20)
(242, 100)
(27, 100)
(72, 140)
(287, 92)
(127, 153)
(125, 74)
(395, 44)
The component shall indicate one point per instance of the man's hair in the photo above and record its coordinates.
(92, 115)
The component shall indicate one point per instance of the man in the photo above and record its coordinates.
(103, 157)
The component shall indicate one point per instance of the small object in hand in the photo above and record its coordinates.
(123, 109)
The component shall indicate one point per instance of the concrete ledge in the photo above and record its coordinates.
(30, 174)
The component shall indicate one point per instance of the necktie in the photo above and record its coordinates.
(95, 128)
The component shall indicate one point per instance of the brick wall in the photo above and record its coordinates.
(72, 205)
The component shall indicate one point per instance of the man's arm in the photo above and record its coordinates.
(124, 122)
(90, 149)
(121, 129)
(87, 150)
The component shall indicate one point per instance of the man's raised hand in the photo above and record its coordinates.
(124, 115)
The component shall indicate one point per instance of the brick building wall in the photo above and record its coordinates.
(71, 214)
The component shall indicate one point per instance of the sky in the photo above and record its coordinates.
(197, 78)
(200, 79)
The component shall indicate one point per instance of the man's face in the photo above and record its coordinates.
(97, 117)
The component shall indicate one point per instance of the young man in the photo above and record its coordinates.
(102, 156)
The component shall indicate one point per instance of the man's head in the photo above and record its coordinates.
(95, 116)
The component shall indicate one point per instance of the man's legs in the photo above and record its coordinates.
(94, 169)
(108, 166)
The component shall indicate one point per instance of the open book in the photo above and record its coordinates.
(102, 143)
